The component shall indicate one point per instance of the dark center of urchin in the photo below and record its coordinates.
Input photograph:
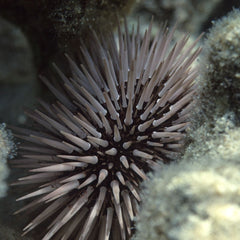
(125, 146)
(124, 151)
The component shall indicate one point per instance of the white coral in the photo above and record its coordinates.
(195, 199)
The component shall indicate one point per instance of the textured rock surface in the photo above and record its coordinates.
(7, 150)
(220, 81)
(195, 198)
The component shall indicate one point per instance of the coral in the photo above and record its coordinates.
(196, 198)
(7, 149)
(210, 132)
(217, 102)
(219, 91)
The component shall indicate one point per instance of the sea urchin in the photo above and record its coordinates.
(123, 110)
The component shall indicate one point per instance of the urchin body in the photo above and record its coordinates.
(123, 112)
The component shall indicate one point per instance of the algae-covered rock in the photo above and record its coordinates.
(7, 148)
(197, 198)
(219, 90)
